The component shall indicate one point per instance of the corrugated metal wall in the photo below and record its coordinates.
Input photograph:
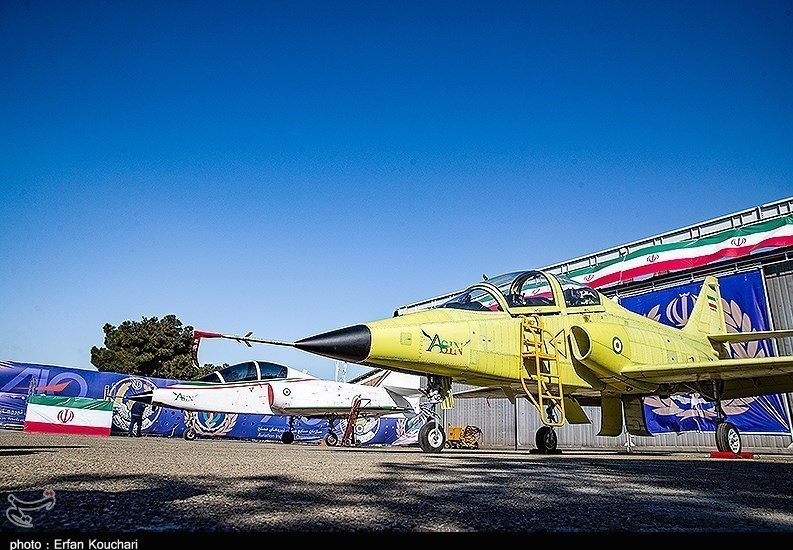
(496, 419)
(779, 287)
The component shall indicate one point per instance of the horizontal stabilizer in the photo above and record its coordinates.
(750, 336)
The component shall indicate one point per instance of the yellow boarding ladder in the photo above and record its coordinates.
(540, 360)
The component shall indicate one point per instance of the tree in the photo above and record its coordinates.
(150, 347)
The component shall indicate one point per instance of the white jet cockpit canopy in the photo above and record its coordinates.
(247, 371)
(522, 289)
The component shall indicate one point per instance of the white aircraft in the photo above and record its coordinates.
(261, 387)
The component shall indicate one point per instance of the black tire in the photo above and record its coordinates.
(189, 434)
(546, 439)
(331, 439)
(431, 438)
(287, 438)
(728, 438)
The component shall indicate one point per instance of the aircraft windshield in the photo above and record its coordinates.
(212, 377)
(524, 288)
(240, 372)
(475, 300)
(271, 370)
(520, 289)
(577, 294)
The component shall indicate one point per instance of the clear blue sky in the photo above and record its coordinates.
(294, 167)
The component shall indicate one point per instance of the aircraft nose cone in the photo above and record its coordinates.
(346, 344)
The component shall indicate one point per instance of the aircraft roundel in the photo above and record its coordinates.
(616, 345)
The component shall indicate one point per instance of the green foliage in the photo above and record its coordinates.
(150, 347)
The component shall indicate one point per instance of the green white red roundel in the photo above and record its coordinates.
(616, 345)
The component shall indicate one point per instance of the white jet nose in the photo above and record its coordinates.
(142, 397)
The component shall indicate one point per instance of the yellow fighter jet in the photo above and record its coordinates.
(561, 345)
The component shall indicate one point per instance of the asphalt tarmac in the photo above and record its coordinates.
(158, 484)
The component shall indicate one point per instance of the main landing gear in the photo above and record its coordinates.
(545, 438)
(288, 437)
(331, 439)
(728, 439)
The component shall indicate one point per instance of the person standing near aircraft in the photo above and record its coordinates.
(136, 417)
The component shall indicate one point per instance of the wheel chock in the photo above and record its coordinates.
(728, 454)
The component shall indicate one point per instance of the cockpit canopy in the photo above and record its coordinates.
(524, 289)
(247, 371)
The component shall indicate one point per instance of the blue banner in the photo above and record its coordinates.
(17, 380)
(745, 309)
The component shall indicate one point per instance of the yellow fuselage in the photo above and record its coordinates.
(484, 348)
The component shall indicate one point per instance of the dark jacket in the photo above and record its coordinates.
(137, 410)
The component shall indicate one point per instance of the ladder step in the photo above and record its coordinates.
(540, 353)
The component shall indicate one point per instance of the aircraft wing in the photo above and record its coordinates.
(495, 392)
(722, 369)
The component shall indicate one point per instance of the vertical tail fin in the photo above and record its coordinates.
(708, 314)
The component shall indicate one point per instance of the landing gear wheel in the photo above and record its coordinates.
(546, 439)
(331, 439)
(287, 438)
(728, 439)
(189, 434)
(431, 438)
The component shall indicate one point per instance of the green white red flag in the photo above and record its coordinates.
(71, 415)
(652, 260)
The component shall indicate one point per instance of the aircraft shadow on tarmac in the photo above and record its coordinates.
(12, 450)
(477, 493)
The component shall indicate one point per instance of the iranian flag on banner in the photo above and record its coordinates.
(68, 415)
